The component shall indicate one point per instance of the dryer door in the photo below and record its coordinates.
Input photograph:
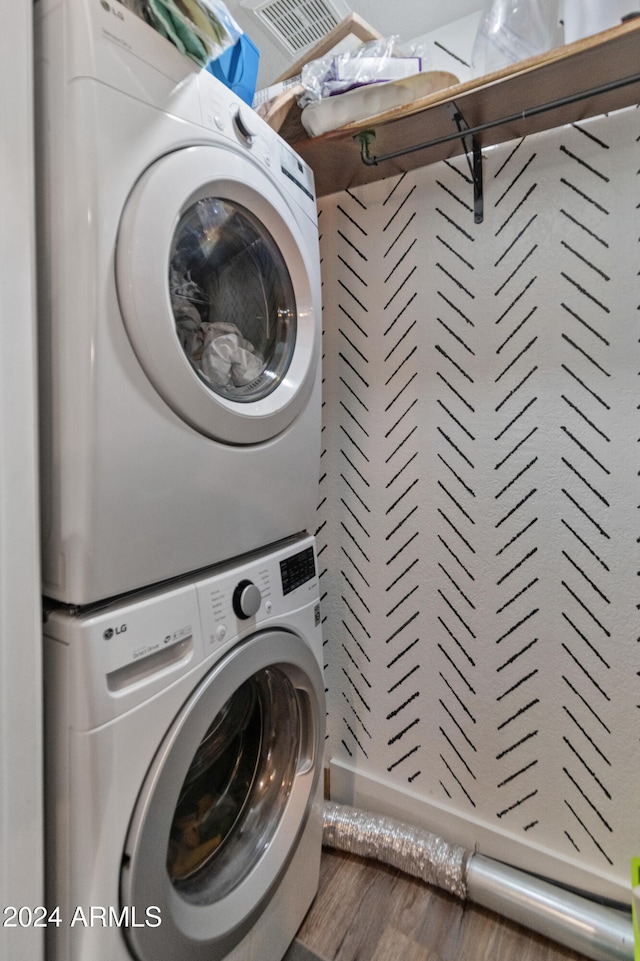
(226, 800)
(219, 292)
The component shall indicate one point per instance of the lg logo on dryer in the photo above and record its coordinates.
(113, 10)
(112, 631)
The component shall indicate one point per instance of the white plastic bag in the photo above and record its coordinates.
(377, 61)
(513, 30)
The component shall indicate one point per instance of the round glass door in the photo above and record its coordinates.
(226, 801)
(218, 283)
(236, 788)
(232, 300)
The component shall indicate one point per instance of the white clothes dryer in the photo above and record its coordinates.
(185, 731)
(179, 298)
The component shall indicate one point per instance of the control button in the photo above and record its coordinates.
(221, 632)
(246, 600)
(269, 607)
(219, 122)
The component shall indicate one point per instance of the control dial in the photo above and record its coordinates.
(245, 125)
(246, 600)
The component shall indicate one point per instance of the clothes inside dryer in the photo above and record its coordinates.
(236, 788)
(232, 299)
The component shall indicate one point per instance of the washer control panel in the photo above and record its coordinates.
(121, 654)
(230, 601)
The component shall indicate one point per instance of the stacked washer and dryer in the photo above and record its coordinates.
(179, 297)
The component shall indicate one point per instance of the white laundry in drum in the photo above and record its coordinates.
(228, 358)
(221, 299)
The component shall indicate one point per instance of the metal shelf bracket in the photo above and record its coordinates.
(474, 159)
(471, 146)
(468, 134)
(365, 140)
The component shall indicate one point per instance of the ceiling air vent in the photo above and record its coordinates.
(298, 24)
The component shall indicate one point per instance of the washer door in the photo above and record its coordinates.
(214, 283)
(225, 801)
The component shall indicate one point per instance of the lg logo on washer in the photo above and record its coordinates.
(112, 631)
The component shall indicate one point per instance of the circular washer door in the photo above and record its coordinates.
(225, 801)
(217, 289)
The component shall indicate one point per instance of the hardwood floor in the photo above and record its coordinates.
(366, 911)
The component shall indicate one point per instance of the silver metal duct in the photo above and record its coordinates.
(408, 848)
(592, 929)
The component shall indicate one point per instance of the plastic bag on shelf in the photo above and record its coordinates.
(513, 30)
(378, 61)
(200, 29)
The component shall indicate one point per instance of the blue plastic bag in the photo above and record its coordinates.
(237, 68)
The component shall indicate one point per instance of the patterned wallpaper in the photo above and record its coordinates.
(479, 519)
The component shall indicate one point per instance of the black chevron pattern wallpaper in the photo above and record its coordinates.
(479, 516)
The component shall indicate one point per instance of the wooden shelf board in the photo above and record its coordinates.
(563, 72)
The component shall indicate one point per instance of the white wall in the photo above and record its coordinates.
(479, 526)
(21, 874)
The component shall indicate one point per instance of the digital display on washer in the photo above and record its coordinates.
(297, 570)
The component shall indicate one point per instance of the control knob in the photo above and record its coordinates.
(245, 125)
(246, 600)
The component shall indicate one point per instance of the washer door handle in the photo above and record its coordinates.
(307, 732)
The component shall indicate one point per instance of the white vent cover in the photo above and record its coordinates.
(298, 24)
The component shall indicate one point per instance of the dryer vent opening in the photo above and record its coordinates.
(298, 24)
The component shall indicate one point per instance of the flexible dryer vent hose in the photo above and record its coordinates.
(585, 926)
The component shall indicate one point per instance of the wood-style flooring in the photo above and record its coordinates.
(365, 911)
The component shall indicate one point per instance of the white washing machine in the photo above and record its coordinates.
(179, 299)
(184, 738)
